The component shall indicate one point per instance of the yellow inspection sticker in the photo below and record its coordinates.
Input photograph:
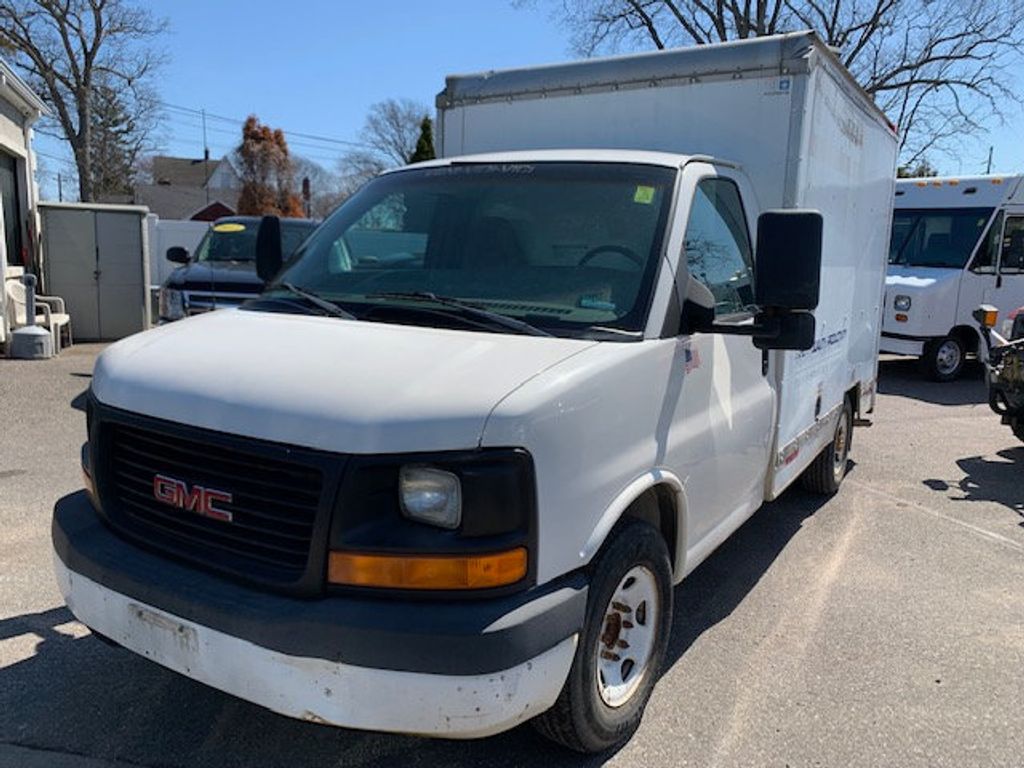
(229, 226)
(643, 195)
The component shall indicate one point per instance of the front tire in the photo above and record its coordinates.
(621, 646)
(826, 472)
(943, 360)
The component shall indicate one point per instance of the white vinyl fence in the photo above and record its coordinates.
(164, 234)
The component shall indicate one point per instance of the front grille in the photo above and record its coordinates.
(274, 503)
(196, 303)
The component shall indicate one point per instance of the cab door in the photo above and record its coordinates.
(1009, 292)
(978, 282)
(726, 409)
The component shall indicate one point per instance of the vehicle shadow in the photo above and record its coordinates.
(79, 695)
(902, 376)
(717, 587)
(989, 480)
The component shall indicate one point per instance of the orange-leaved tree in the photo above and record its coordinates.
(266, 171)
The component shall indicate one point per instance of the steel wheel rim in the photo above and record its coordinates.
(628, 632)
(841, 446)
(948, 357)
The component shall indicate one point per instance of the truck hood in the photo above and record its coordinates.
(933, 294)
(337, 385)
(918, 278)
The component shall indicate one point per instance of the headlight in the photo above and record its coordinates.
(901, 303)
(430, 495)
(172, 304)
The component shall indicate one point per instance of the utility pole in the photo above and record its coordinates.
(60, 189)
(206, 161)
(988, 166)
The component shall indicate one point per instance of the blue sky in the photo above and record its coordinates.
(316, 67)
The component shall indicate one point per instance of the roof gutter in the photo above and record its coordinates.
(23, 97)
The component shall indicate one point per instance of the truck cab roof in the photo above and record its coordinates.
(629, 156)
(959, 191)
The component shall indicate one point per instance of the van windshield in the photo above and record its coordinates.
(566, 247)
(236, 240)
(942, 238)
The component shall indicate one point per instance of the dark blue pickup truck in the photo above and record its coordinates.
(222, 271)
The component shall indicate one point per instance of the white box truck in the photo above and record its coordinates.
(441, 477)
(957, 243)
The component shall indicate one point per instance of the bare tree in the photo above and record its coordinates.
(71, 48)
(938, 68)
(389, 138)
(324, 186)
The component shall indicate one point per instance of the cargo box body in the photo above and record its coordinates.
(784, 110)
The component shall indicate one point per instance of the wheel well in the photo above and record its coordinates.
(853, 395)
(657, 507)
(966, 336)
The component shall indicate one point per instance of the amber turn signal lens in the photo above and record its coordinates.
(990, 318)
(901, 318)
(427, 571)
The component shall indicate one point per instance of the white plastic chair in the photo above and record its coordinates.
(51, 312)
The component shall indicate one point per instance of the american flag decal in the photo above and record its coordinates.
(691, 359)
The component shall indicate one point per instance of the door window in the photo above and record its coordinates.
(985, 260)
(1012, 256)
(717, 246)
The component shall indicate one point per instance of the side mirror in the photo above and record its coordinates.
(787, 275)
(268, 248)
(178, 255)
(791, 330)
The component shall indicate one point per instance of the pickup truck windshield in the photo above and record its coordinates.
(236, 240)
(569, 248)
(936, 237)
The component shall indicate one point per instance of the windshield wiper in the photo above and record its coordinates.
(494, 318)
(318, 301)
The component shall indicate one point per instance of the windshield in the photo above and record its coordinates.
(936, 237)
(566, 247)
(236, 240)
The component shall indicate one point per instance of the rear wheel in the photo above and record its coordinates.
(943, 360)
(621, 647)
(827, 471)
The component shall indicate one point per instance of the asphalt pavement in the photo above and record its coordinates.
(882, 627)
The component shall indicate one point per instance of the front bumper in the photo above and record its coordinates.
(895, 344)
(460, 669)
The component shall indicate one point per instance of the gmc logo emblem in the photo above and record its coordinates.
(176, 493)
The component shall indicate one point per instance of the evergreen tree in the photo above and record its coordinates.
(116, 143)
(425, 143)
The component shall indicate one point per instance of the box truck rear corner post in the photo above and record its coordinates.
(501, 402)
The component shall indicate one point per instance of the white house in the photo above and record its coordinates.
(19, 195)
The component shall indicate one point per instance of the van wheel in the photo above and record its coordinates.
(943, 360)
(621, 646)
(827, 471)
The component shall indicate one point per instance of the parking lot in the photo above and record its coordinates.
(882, 627)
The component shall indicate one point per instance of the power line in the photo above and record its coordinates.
(48, 156)
(236, 121)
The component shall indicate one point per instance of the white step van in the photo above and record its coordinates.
(957, 243)
(441, 477)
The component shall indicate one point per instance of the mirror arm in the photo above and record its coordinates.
(765, 326)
